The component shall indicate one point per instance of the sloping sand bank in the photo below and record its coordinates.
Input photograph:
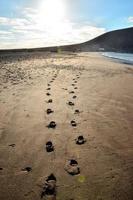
(102, 91)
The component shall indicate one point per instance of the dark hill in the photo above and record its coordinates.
(118, 41)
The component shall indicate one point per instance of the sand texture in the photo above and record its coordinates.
(90, 96)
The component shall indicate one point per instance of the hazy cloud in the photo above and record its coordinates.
(28, 31)
(130, 19)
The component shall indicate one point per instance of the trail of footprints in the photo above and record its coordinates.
(71, 166)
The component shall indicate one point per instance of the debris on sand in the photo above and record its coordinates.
(49, 188)
(49, 146)
(80, 140)
(72, 167)
(49, 111)
(73, 123)
(52, 124)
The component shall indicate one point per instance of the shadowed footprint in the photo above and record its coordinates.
(49, 111)
(77, 111)
(64, 88)
(71, 92)
(73, 123)
(49, 146)
(48, 88)
(48, 85)
(74, 97)
(52, 124)
(75, 88)
(70, 103)
(27, 169)
(50, 101)
(48, 94)
(80, 140)
(12, 145)
(49, 188)
(72, 167)
(1, 168)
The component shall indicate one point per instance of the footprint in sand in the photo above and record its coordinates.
(72, 167)
(48, 88)
(71, 92)
(50, 101)
(49, 146)
(77, 111)
(1, 168)
(49, 188)
(80, 140)
(52, 124)
(70, 103)
(73, 123)
(75, 88)
(74, 97)
(49, 111)
(26, 169)
(12, 145)
(48, 94)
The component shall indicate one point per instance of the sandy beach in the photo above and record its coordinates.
(94, 92)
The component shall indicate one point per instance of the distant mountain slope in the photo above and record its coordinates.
(117, 41)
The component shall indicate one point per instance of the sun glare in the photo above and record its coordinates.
(52, 11)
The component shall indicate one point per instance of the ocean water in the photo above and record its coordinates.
(124, 57)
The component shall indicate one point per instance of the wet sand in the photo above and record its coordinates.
(87, 95)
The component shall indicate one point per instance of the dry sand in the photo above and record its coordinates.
(104, 97)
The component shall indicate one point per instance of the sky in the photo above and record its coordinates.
(41, 23)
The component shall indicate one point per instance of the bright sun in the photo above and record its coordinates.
(52, 11)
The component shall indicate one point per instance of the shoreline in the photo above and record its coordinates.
(119, 60)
